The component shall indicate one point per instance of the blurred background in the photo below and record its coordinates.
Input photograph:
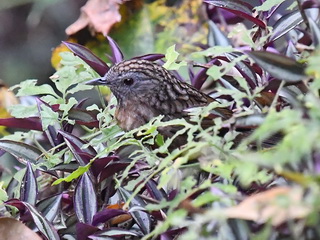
(29, 30)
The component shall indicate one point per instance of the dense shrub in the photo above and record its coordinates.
(253, 176)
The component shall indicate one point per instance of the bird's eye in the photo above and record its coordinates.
(128, 81)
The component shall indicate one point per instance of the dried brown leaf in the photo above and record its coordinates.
(277, 205)
(98, 15)
(11, 228)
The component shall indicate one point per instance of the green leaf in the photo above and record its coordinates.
(267, 5)
(67, 106)
(21, 151)
(159, 140)
(205, 198)
(74, 175)
(213, 51)
(29, 88)
(22, 111)
(3, 193)
(172, 56)
(48, 117)
(79, 87)
(217, 72)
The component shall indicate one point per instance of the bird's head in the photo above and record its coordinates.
(133, 78)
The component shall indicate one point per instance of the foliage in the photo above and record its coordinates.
(253, 176)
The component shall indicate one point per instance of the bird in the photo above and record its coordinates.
(144, 90)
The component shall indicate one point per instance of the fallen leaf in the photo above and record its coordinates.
(11, 228)
(98, 15)
(277, 205)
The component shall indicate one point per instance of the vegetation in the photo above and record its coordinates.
(253, 176)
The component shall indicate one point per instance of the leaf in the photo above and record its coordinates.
(105, 215)
(29, 188)
(246, 71)
(21, 151)
(86, 55)
(279, 204)
(315, 30)
(31, 123)
(84, 230)
(4, 193)
(29, 88)
(48, 117)
(279, 66)
(111, 169)
(23, 111)
(83, 117)
(78, 143)
(267, 5)
(141, 218)
(98, 15)
(67, 106)
(44, 226)
(50, 207)
(85, 200)
(285, 24)
(154, 191)
(171, 57)
(151, 57)
(112, 233)
(239, 8)
(74, 175)
(216, 36)
(117, 55)
(83, 155)
(11, 228)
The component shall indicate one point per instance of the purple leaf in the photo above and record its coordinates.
(84, 155)
(66, 167)
(29, 188)
(216, 37)
(151, 57)
(84, 230)
(44, 226)
(106, 215)
(99, 164)
(291, 50)
(81, 102)
(85, 199)
(202, 76)
(112, 233)
(285, 24)
(31, 123)
(310, 4)
(117, 55)
(214, 14)
(52, 136)
(111, 169)
(78, 144)
(239, 8)
(11, 188)
(245, 70)
(279, 66)
(141, 218)
(315, 32)
(153, 190)
(172, 233)
(21, 151)
(89, 57)
(50, 207)
(83, 117)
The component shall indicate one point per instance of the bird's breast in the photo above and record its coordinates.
(131, 115)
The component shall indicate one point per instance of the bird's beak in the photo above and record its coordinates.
(97, 81)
